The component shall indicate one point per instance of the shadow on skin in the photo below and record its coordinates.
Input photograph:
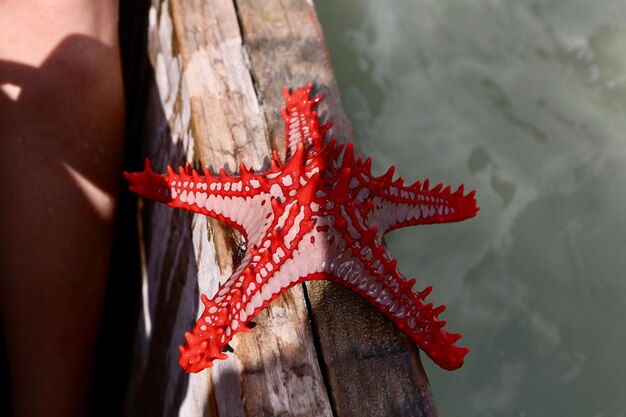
(61, 167)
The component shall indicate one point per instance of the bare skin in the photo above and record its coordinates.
(61, 143)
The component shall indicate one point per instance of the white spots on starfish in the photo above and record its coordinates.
(273, 175)
(362, 195)
(287, 180)
(276, 191)
(365, 282)
(255, 302)
(375, 290)
(201, 197)
(401, 212)
(314, 207)
(294, 135)
(394, 305)
(266, 292)
(328, 220)
(349, 270)
(283, 217)
(367, 253)
(294, 132)
(360, 220)
(354, 182)
(255, 183)
(414, 213)
(351, 229)
(183, 196)
(384, 298)
(295, 229)
(378, 266)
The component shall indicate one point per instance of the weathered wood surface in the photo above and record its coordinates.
(219, 69)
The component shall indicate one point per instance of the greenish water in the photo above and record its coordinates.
(525, 101)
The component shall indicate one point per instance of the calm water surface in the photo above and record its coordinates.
(525, 101)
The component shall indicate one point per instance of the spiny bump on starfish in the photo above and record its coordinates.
(319, 215)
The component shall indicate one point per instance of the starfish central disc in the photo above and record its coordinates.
(320, 215)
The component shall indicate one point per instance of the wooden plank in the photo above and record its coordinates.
(216, 102)
(372, 369)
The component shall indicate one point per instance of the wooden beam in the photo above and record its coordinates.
(219, 69)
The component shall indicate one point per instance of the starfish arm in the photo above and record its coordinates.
(396, 205)
(282, 260)
(218, 322)
(370, 272)
(365, 267)
(237, 201)
(301, 122)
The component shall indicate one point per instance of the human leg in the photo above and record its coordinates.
(61, 141)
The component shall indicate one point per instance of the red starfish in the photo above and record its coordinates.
(321, 215)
